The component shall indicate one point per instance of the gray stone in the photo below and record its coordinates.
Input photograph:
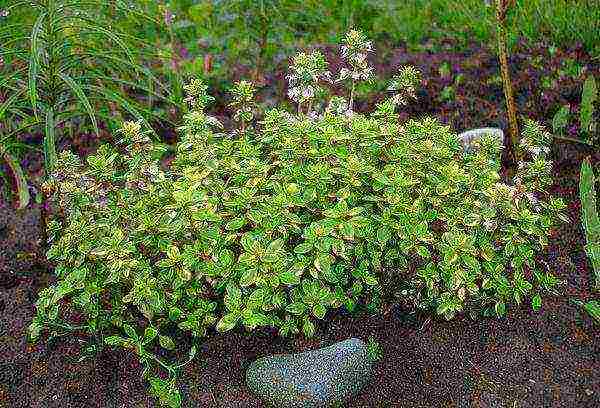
(467, 138)
(316, 378)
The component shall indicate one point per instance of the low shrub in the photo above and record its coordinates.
(283, 220)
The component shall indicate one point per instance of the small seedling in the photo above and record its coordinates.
(374, 350)
(592, 307)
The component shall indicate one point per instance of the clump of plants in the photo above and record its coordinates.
(281, 221)
(587, 122)
(62, 64)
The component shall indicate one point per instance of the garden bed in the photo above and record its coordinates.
(550, 358)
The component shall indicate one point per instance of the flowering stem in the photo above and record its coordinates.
(351, 104)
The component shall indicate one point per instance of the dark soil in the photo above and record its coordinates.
(545, 359)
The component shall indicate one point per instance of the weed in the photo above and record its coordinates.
(374, 350)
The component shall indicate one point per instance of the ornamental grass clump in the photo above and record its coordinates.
(282, 221)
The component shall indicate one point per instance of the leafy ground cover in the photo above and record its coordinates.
(265, 31)
(527, 359)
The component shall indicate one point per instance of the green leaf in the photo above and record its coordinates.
(331, 276)
(289, 278)
(34, 62)
(323, 263)
(248, 278)
(350, 305)
(175, 313)
(228, 322)
(500, 309)
(348, 230)
(166, 342)
(235, 224)
(173, 253)
(192, 353)
(384, 234)
(471, 262)
(78, 91)
(115, 340)
(308, 328)
(34, 331)
(150, 334)
(303, 248)
(319, 310)
(9, 102)
(357, 288)
(233, 298)
(247, 242)
(423, 252)
(256, 298)
(166, 392)
(536, 302)
(593, 308)
(257, 319)
(130, 332)
(275, 246)
(112, 96)
(296, 308)
(370, 280)
(94, 27)
(226, 258)
(17, 171)
(589, 217)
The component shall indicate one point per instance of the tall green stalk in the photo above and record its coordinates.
(589, 218)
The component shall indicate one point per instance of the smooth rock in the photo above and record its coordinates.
(316, 378)
(467, 138)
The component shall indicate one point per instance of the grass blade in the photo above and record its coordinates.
(5, 80)
(593, 308)
(34, 61)
(78, 91)
(19, 176)
(112, 96)
(9, 102)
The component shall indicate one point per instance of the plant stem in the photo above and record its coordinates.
(513, 139)
(53, 95)
(570, 139)
(262, 46)
(351, 104)
(66, 326)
